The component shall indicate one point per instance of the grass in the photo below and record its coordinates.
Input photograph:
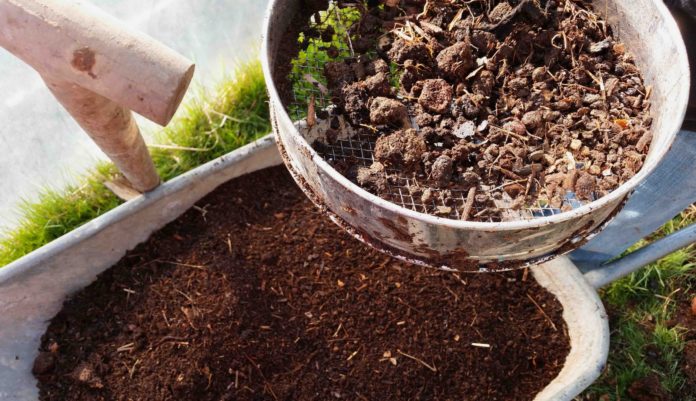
(209, 127)
(315, 52)
(641, 304)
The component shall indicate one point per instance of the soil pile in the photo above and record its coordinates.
(255, 295)
(514, 105)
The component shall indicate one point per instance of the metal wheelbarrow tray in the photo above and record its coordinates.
(32, 289)
(649, 32)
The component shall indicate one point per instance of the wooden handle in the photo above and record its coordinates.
(99, 71)
(112, 127)
(79, 43)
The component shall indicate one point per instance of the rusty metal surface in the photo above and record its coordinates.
(644, 25)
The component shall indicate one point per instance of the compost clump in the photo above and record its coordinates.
(533, 104)
(261, 297)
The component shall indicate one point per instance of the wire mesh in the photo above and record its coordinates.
(308, 82)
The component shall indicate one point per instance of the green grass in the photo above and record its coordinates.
(641, 306)
(314, 54)
(209, 127)
(57, 213)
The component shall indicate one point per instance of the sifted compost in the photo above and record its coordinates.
(255, 295)
(481, 110)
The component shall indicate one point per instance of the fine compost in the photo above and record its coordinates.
(255, 295)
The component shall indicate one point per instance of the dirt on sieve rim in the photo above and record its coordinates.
(255, 295)
(483, 110)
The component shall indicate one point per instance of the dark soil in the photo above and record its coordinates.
(534, 99)
(685, 318)
(255, 295)
(648, 389)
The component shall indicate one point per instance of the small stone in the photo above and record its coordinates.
(53, 347)
(575, 144)
(465, 130)
(595, 170)
(85, 374)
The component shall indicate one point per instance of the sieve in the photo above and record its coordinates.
(401, 224)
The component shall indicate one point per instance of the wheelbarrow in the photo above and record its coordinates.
(32, 289)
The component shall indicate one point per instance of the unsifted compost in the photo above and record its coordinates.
(481, 110)
(255, 295)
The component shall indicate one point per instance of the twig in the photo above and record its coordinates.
(508, 173)
(309, 78)
(513, 134)
(507, 184)
(469, 205)
(311, 116)
(200, 267)
(353, 354)
(170, 338)
(270, 389)
(125, 348)
(432, 368)
(553, 326)
(401, 301)
(350, 42)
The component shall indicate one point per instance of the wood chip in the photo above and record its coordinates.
(469, 204)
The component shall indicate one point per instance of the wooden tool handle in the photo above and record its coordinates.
(79, 43)
(112, 127)
(99, 71)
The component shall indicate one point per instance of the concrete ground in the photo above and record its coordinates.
(40, 145)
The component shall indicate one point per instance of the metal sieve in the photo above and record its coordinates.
(402, 225)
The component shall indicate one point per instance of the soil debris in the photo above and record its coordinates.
(496, 87)
(648, 388)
